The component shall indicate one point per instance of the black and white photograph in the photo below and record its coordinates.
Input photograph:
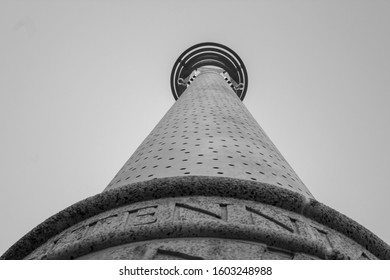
(195, 130)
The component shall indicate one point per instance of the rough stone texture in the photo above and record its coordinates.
(325, 215)
(188, 221)
(107, 204)
(195, 249)
(154, 189)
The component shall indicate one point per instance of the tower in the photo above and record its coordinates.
(207, 183)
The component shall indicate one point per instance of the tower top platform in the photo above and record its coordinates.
(208, 54)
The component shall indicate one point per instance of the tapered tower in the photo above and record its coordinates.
(207, 183)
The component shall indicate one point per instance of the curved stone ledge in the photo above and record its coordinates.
(198, 217)
(197, 186)
(185, 230)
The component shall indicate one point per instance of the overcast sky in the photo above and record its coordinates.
(82, 83)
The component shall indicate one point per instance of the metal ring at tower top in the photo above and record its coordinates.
(208, 54)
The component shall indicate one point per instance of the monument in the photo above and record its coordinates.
(207, 183)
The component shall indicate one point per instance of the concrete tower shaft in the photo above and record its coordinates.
(209, 132)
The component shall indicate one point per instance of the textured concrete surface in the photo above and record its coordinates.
(209, 132)
(199, 207)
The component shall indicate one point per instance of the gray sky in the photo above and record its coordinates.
(82, 83)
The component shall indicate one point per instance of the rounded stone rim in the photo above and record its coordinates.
(197, 186)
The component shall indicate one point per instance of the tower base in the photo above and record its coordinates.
(197, 217)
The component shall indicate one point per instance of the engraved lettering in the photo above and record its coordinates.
(224, 212)
(77, 233)
(142, 216)
(323, 237)
(125, 219)
(71, 236)
(181, 209)
(90, 229)
(295, 224)
(268, 218)
(108, 218)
